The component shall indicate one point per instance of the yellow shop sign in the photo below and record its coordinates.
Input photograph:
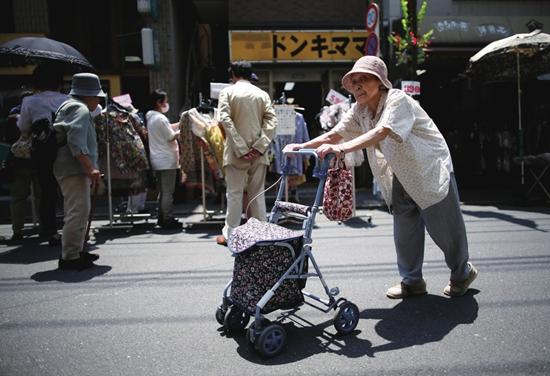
(295, 46)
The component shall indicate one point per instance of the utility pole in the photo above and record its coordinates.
(413, 22)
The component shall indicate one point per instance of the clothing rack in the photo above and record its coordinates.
(208, 216)
(123, 218)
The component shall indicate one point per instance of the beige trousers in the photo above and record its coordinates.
(77, 206)
(251, 180)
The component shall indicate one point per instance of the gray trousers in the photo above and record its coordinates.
(166, 185)
(77, 205)
(444, 224)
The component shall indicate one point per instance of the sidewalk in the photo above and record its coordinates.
(191, 210)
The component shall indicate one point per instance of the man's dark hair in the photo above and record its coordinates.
(241, 68)
(156, 95)
(47, 76)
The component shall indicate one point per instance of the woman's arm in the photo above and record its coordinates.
(370, 138)
(326, 138)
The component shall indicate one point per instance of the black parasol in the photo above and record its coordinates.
(33, 50)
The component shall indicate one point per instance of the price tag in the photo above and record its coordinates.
(286, 119)
(411, 87)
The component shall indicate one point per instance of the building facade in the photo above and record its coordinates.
(311, 44)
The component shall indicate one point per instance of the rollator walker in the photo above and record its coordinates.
(271, 269)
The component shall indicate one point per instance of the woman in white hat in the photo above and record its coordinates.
(411, 162)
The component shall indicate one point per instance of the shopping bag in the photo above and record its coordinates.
(338, 193)
(22, 147)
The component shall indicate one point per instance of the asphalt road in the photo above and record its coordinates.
(148, 307)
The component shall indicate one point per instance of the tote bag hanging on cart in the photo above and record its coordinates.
(338, 193)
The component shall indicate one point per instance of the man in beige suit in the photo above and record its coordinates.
(249, 121)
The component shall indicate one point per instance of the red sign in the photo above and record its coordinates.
(372, 17)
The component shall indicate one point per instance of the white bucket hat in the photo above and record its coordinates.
(371, 65)
(86, 85)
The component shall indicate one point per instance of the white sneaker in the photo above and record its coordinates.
(403, 290)
(459, 288)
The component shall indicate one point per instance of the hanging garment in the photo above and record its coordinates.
(189, 151)
(201, 131)
(331, 115)
(205, 127)
(296, 165)
(126, 147)
(128, 156)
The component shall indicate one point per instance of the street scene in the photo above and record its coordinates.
(213, 187)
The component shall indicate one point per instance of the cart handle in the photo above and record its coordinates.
(323, 165)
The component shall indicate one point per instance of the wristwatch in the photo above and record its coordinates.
(342, 153)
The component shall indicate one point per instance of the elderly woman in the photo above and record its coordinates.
(410, 160)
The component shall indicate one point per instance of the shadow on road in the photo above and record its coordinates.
(30, 251)
(106, 233)
(359, 222)
(421, 320)
(305, 339)
(411, 322)
(70, 276)
(503, 217)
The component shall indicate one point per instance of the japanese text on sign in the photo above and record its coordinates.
(297, 45)
(286, 120)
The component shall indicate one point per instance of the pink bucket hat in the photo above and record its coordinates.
(368, 64)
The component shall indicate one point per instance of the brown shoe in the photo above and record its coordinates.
(459, 288)
(220, 239)
(403, 290)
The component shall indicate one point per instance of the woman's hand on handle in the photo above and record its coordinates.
(325, 149)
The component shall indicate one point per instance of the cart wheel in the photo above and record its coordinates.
(235, 319)
(220, 314)
(346, 318)
(251, 334)
(271, 341)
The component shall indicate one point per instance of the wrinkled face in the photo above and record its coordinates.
(365, 88)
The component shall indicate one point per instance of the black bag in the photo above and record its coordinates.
(44, 141)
